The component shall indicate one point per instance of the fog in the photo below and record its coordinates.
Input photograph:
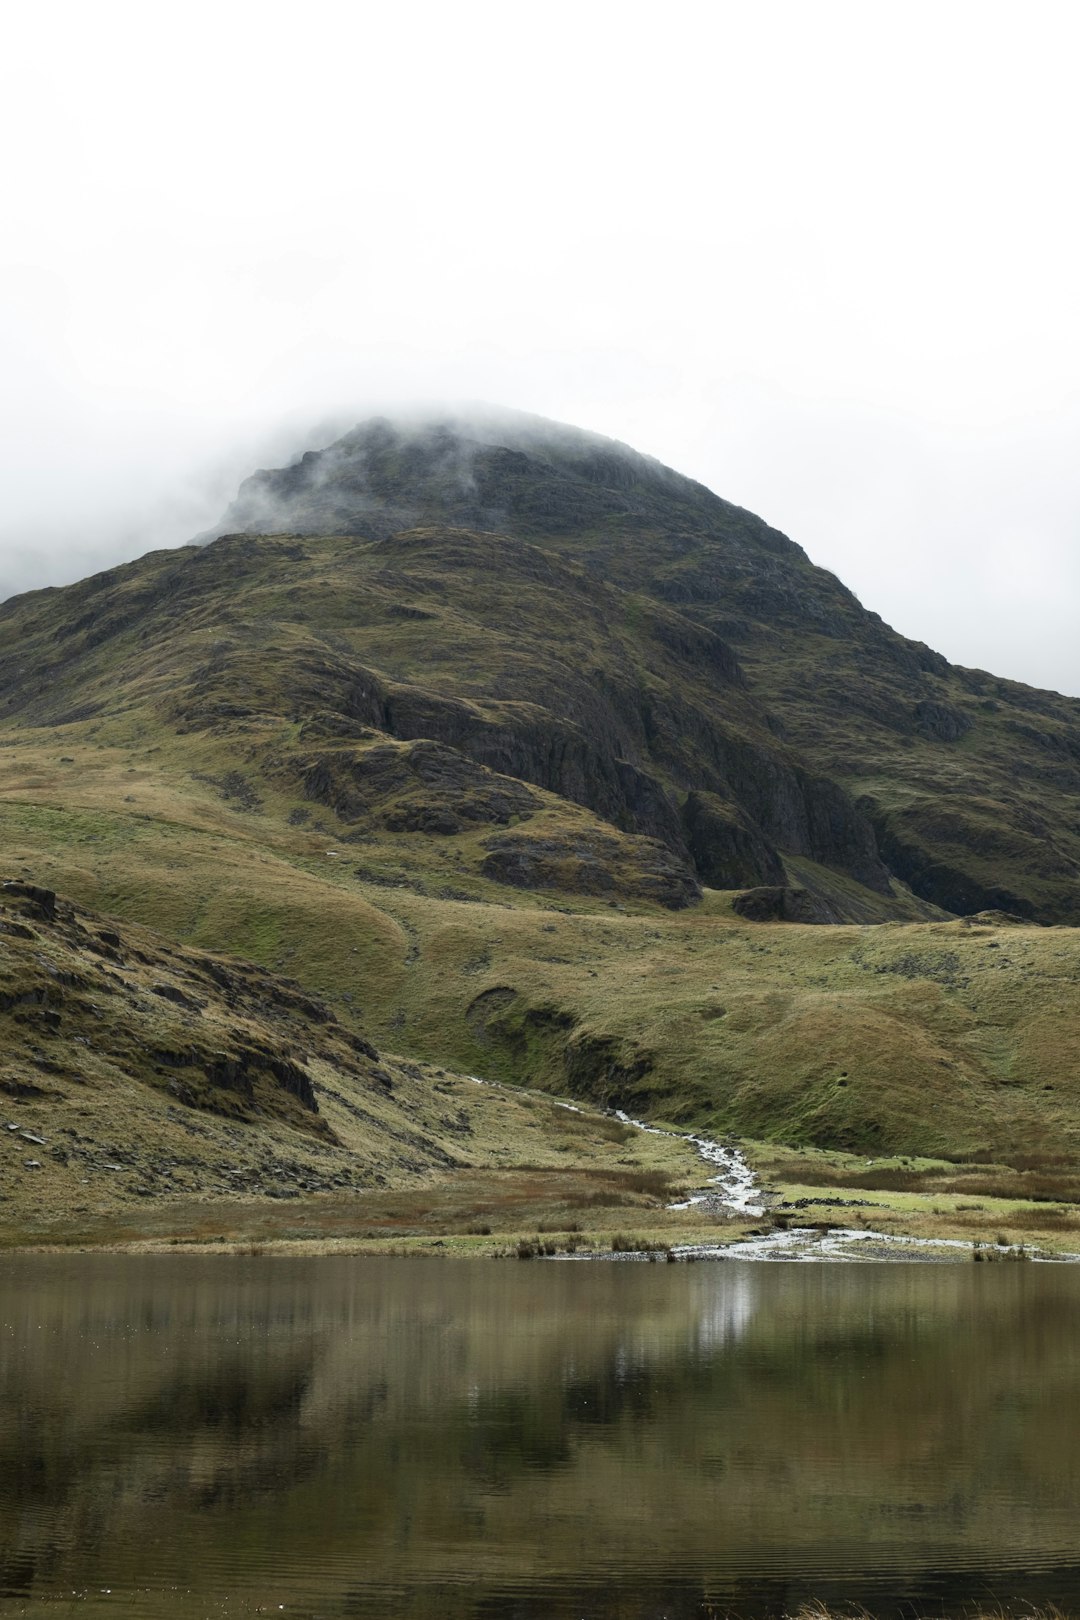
(822, 258)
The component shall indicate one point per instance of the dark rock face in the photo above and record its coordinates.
(803, 814)
(42, 900)
(774, 804)
(236, 1073)
(531, 745)
(941, 721)
(213, 1064)
(727, 853)
(947, 884)
(426, 787)
(638, 867)
(773, 904)
(173, 993)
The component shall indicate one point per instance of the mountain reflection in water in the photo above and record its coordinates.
(417, 1438)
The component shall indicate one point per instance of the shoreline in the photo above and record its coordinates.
(761, 1203)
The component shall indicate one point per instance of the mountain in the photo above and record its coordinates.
(762, 712)
(528, 757)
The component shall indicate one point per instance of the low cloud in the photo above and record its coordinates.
(968, 546)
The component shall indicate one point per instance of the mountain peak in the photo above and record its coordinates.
(483, 468)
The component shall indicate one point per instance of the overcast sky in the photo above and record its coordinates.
(822, 256)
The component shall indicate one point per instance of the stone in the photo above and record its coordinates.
(778, 904)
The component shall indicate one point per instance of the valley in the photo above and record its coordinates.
(512, 753)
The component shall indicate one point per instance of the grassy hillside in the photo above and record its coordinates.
(150, 1090)
(826, 1035)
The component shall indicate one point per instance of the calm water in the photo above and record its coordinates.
(193, 1436)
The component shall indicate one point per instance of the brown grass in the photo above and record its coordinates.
(481, 1209)
(1043, 1185)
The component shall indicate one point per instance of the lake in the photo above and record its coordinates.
(218, 1435)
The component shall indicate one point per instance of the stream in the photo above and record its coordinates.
(735, 1188)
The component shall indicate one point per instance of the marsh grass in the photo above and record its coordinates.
(1052, 1180)
(624, 1243)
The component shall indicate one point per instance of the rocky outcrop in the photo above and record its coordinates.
(941, 722)
(798, 813)
(421, 787)
(514, 740)
(179, 1021)
(727, 852)
(772, 805)
(778, 904)
(41, 902)
(597, 864)
(946, 883)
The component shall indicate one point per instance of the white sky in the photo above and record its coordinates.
(822, 256)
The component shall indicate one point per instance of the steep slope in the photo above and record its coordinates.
(520, 662)
(970, 782)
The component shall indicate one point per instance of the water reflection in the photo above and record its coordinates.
(413, 1438)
